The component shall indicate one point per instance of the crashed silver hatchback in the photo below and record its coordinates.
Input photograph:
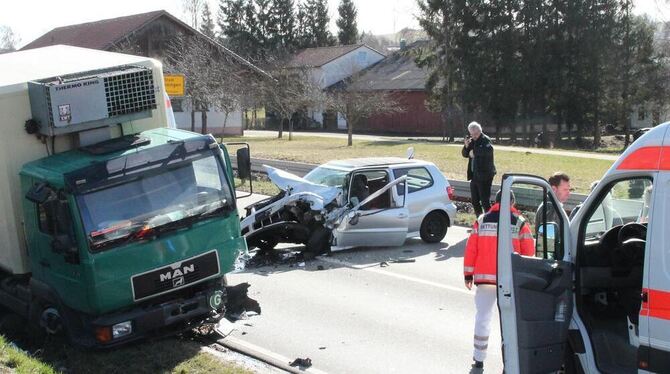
(353, 203)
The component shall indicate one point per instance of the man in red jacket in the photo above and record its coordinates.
(480, 266)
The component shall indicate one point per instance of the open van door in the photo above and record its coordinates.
(534, 293)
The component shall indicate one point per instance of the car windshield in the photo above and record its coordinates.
(326, 176)
(178, 194)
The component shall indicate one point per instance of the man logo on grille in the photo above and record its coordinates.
(177, 282)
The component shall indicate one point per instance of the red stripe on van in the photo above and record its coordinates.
(647, 158)
(657, 304)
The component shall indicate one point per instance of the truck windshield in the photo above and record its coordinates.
(326, 176)
(145, 205)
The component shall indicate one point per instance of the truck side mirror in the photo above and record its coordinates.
(39, 193)
(243, 163)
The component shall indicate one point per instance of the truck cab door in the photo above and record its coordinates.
(534, 293)
(380, 219)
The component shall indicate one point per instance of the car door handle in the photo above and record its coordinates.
(402, 215)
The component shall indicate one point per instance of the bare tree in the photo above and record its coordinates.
(193, 10)
(213, 78)
(292, 91)
(357, 101)
(8, 39)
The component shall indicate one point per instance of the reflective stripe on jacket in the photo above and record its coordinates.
(481, 258)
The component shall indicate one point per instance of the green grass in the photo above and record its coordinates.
(170, 355)
(263, 187)
(317, 150)
(13, 360)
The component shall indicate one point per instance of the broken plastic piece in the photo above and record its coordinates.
(302, 362)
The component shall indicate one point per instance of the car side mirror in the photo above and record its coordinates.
(353, 218)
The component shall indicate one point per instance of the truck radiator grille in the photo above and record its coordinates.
(175, 276)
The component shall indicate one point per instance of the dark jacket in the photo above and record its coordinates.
(481, 167)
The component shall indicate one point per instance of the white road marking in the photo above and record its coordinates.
(395, 275)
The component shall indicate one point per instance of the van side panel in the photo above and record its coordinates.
(655, 312)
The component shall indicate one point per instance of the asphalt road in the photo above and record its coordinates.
(355, 316)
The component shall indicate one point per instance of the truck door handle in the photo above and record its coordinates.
(45, 263)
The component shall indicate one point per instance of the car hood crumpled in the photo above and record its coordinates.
(287, 181)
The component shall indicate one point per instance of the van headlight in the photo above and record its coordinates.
(122, 329)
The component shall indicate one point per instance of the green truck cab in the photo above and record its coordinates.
(123, 238)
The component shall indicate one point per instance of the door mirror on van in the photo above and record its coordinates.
(547, 240)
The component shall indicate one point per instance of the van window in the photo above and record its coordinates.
(623, 202)
(417, 179)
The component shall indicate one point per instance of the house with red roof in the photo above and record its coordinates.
(147, 34)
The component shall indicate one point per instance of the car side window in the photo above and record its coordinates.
(418, 178)
(365, 183)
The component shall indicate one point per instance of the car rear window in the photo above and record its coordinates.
(418, 178)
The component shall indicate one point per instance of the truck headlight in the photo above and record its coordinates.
(122, 329)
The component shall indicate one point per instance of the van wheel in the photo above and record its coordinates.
(434, 227)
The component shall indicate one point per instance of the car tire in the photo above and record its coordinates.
(319, 241)
(266, 245)
(434, 227)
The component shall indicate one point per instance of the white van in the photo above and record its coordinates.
(596, 298)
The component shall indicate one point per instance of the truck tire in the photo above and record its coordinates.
(434, 227)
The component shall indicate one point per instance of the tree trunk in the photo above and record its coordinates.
(281, 127)
(290, 128)
(350, 132)
(225, 120)
(193, 116)
(203, 116)
(253, 118)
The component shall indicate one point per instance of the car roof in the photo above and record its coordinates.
(354, 163)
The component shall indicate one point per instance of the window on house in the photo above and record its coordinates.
(177, 104)
(641, 114)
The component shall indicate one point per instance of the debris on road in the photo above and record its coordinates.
(320, 267)
(402, 260)
(302, 362)
(238, 302)
(383, 264)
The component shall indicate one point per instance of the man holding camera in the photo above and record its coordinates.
(481, 169)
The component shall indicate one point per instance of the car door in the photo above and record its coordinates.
(534, 293)
(363, 225)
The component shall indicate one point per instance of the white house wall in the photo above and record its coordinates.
(234, 123)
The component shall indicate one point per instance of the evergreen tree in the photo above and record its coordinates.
(314, 24)
(284, 32)
(348, 31)
(233, 22)
(207, 23)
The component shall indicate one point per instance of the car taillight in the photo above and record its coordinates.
(450, 192)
